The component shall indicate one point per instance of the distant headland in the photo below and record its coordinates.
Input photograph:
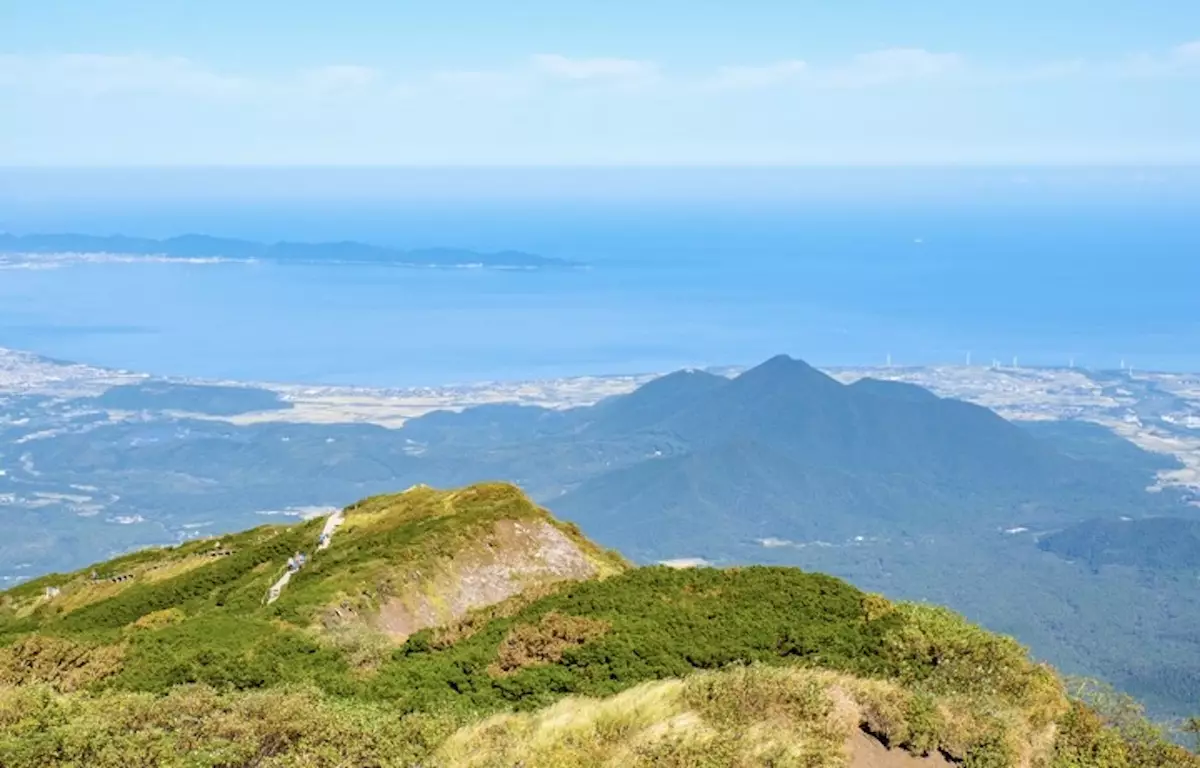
(57, 249)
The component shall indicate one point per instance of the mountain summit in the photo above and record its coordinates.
(403, 562)
(784, 451)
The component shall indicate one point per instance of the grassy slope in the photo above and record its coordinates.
(117, 674)
(210, 623)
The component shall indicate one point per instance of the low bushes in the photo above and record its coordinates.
(198, 727)
(529, 645)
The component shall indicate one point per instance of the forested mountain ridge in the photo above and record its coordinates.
(470, 627)
(661, 475)
(1157, 543)
(868, 458)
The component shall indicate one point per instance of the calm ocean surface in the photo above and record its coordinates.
(670, 285)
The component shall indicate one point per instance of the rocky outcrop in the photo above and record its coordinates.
(513, 556)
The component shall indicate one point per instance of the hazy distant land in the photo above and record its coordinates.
(95, 461)
(1157, 411)
(50, 250)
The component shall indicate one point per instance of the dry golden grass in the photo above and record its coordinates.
(174, 568)
(80, 593)
(741, 717)
(751, 716)
(447, 635)
(199, 727)
(364, 648)
(62, 664)
(159, 619)
(529, 645)
(642, 726)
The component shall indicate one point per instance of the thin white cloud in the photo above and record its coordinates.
(472, 78)
(1045, 72)
(754, 77)
(474, 86)
(100, 74)
(896, 66)
(539, 71)
(875, 68)
(567, 68)
(892, 65)
(1187, 54)
(1054, 70)
(1183, 59)
(341, 78)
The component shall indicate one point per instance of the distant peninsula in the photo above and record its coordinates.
(30, 250)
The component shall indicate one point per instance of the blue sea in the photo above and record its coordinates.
(673, 281)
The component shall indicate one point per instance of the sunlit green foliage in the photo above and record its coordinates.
(198, 727)
(188, 657)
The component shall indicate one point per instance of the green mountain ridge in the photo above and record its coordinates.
(470, 627)
(832, 460)
(883, 484)
(886, 485)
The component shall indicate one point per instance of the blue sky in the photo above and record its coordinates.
(177, 82)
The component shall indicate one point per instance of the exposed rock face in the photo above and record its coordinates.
(866, 752)
(512, 557)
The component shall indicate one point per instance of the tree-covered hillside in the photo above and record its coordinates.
(469, 628)
(1156, 544)
(880, 483)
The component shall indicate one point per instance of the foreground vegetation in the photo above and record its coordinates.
(740, 716)
(186, 664)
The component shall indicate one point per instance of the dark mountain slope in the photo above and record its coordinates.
(651, 404)
(1159, 543)
(548, 451)
(1095, 442)
(487, 425)
(784, 451)
(704, 504)
(881, 428)
(642, 409)
(897, 389)
(191, 398)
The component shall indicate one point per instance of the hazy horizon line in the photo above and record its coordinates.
(1191, 164)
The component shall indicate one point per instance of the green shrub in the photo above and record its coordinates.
(198, 727)
(184, 665)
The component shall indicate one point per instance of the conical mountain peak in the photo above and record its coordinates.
(786, 373)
